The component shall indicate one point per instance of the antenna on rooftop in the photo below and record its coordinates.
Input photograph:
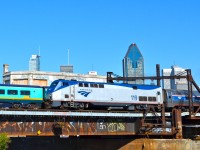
(68, 56)
(39, 51)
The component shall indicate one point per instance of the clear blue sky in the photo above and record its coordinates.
(99, 32)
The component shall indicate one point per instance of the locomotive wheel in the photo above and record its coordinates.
(61, 107)
(32, 106)
(81, 106)
(17, 106)
(87, 105)
(46, 105)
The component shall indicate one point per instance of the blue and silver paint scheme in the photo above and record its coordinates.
(103, 94)
(180, 98)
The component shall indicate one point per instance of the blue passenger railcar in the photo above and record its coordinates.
(20, 96)
(179, 98)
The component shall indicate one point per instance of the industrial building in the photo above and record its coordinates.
(45, 78)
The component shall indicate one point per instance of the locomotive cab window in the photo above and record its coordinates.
(86, 85)
(12, 92)
(65, 84)
(25, 92)
(54, 83)
(80, 84)
(96, 85)
(2, 91)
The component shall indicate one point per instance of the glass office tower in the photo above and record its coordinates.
(34, 63)
(133, 64)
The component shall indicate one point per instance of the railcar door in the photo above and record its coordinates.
(169, 102)
(159, 97)
(72, 95)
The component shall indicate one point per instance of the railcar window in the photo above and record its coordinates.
(197, 98)
(25, 93)
(2, 91)
(134, 87)
(80, 84)
(91, 85)
(101, 85)
(152, 99)
(66, 96)
(86, 85)
(142, 98)
(12, 92)
(179, 93)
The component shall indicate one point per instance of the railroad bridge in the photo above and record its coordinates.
(17, 123)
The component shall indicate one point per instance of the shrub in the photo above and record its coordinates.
(4, 141)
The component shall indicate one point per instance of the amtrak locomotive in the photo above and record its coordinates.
(80, 94)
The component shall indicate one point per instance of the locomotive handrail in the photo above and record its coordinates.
(109, 78)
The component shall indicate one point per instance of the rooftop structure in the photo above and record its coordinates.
(66, 68)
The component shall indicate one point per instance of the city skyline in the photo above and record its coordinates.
(98, 33)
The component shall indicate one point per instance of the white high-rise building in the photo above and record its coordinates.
(180, 84)
(175, 83)
(166, 82)
(34, 63)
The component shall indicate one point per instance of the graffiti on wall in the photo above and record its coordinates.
(65, 126)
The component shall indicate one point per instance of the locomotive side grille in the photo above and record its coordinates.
(151, 99)
(142, 98)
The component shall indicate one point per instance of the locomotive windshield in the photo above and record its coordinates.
(54, 83)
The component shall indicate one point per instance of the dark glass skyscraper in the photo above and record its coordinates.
(133, 64)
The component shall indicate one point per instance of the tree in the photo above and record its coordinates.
(4, 141)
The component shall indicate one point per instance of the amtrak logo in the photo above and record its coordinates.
(84, 93)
